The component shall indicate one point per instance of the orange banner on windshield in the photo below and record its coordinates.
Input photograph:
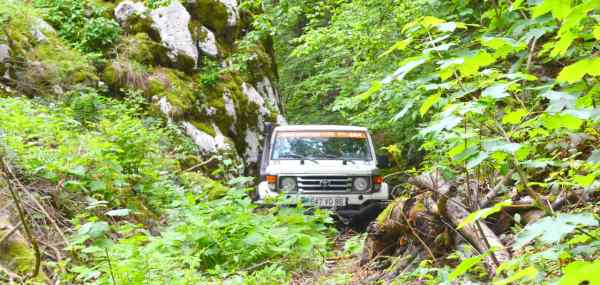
(323, 134)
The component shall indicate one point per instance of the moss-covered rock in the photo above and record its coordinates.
(176, 87)
(141, 48)
(214, 14)
(125, 74)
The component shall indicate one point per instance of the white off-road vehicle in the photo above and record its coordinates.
(327, 166)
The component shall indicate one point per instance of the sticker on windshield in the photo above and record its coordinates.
(358, 135)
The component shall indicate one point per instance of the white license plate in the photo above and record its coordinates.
(325, 202)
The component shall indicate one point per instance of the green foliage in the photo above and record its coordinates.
(483, 87)
(210, 240)
(97, 146)
(483, 213)
(552, 229)
(83, 23)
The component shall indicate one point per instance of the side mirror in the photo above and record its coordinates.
(383, 161)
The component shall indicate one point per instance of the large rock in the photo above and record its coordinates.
(129, 9)
(4, 53)
(207, 42)
(40, 29)
(204, 141)
(232, 12)
(171, 24)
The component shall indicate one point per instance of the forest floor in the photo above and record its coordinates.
(343, 266)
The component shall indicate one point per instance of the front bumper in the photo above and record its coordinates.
(353, 199)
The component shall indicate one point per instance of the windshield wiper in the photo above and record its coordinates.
(302, 158)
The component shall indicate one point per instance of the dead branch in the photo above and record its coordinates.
(21, 212)
(483, 239)
(487, 199)
(10, 232)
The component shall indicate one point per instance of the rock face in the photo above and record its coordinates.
(223, 109)
(4, 57)
(207, 42)
(171, 23)
(183, 58)
(127, 9)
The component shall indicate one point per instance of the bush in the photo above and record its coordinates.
(207, 241)
(82, 23)
(95, 146)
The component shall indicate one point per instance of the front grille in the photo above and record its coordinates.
(309, 184)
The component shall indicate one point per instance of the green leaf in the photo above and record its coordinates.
(407, 65)
(473, 162)
(581, 272)
(428, 103)
(496, 91)
(584, 180)
(118, 213)
(528, 273)
(472, 64)
(399, 45)
(483, 213)
(552, 229)
(450, 26)
(94, 229)
(465, 265)
(494, 145)
(562, 45)
(596, 32)
(429, 21)
(375, 87)
(558, 121)
(576, 71)
(514, 117)
(559, 8)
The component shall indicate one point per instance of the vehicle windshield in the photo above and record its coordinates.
(321, 145)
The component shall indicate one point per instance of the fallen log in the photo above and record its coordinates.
(430, 218)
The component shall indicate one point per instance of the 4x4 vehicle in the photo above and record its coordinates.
(328, 166)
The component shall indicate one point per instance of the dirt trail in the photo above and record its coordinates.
(342, 268)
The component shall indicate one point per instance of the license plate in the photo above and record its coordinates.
(325, 202)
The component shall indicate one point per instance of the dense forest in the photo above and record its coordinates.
(130, 134)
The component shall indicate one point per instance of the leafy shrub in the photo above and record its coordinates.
(82, 23)
(218, 239)
(114, 155)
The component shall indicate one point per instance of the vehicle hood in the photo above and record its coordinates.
(327, 167)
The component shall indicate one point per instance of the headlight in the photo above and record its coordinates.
(360, 184)
(288, 184)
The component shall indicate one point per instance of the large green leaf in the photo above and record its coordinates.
(552, 229)
(496, 91)
(528, 273)
(483, 213)
(581, 272)
(559, 8)
(558, 121)
(465, 265)
(514, 117)
(428, 103)
(576, 71)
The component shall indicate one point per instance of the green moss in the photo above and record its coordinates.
(64, 66)
(212, 14)
(203, 126)
(155, 86)
(205, 187)
(142, 49)
(111, 75)
(385, 214)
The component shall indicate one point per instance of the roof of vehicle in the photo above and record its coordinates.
(319, 128)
